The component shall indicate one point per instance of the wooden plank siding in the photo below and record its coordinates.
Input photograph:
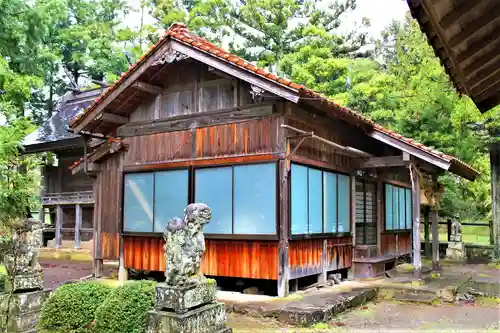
(110, 200)
(395, 243)
(305, 255)
(230, 258)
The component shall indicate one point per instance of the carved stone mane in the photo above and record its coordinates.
(185, 245)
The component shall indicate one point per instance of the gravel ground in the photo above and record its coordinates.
(390, 317)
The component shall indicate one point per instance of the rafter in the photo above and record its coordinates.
(491, 13)
(484, 73)
(484, 60)
(474, 48)
(112, 118)
(458, 12)
(485, 84)
(488, 92)
(146, 87)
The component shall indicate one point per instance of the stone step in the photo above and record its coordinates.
(416, 298)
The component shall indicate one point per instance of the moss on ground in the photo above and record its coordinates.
(488, 301)
(66, 255)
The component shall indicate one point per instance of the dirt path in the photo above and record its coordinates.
(390, 317)
(56, 272)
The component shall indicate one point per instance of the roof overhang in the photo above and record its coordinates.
(464, 35)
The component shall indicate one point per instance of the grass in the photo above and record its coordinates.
(2, 269)
(470, 234)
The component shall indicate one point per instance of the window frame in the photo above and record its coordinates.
(191, 196)
(406, 190)
(152, 232)
(232, 235)
(219, 83)
(323, 234)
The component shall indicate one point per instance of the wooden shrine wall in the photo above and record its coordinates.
(305, 256)
(231, 258)
(395, 243)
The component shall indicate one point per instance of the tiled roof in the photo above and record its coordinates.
(181, 34)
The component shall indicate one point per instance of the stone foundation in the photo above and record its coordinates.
(22, 312)
(29, 281)
(455, 250)
(187, 309)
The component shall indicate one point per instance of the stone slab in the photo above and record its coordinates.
(210, 318)
(455, 238)
(30, 281)
(24, 302)
(181, 299)
(24, 310)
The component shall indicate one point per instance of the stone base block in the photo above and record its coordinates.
(455, 254)
(456, 246)
(23, 310)
(456, 238)
(210, 318)
(30, 281)
(181, 299)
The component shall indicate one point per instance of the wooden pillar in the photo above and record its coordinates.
(435, 238)
(97, 253)
(122, 271)
(59, 219)
(417, 260)
(495, 200)
(283, 261)
(324, 255)
(427, 247)
(78, 224)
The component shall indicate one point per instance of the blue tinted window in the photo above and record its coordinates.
(344, 203)
(408, 209)
(402, 207)
(171, 196)
(255, 199)
(395, 208)
(299, 200)
(315, 189)
(213, 186)
(330, 201)
(388, 207)
(138, 202)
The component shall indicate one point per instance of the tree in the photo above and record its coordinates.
(271, 29)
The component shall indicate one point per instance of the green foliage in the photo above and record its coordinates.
(125, 309)
(72, 307)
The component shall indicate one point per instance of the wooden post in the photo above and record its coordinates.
(283, 261)
(495, 200)
(122, 271)
(78, 224)
(98, 263)
(59, 218)
(435, 239)
(417, 261)
(427, 247)
(448, 229)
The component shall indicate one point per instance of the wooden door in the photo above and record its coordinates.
(366, 212)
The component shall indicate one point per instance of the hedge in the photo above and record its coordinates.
(72, 307)
(125, 309)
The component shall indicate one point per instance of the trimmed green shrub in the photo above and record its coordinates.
(71, 308)
(125, 309)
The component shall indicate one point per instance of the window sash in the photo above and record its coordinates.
(398, 208)
(305, 201)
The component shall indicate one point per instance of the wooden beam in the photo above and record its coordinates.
(146, 87)
(435, 239)
(382, 162)
(78, 225)
(488, 82)
(245, 75)
(196, 120)
(284, 230)
(495, 200)
(405, 147)
(127, 81)
(112, 118)
(474, 48)
(491, 13)
(417, 260)
(458, 12)
(483, 61)
(492, 90)
(59, 222)
(91, 168)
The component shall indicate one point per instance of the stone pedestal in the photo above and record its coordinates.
(455, 250)
(22, 312)
(187, 309)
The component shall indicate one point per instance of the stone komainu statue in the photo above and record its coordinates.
(185, 245)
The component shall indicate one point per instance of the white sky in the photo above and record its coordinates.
(379, 12)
